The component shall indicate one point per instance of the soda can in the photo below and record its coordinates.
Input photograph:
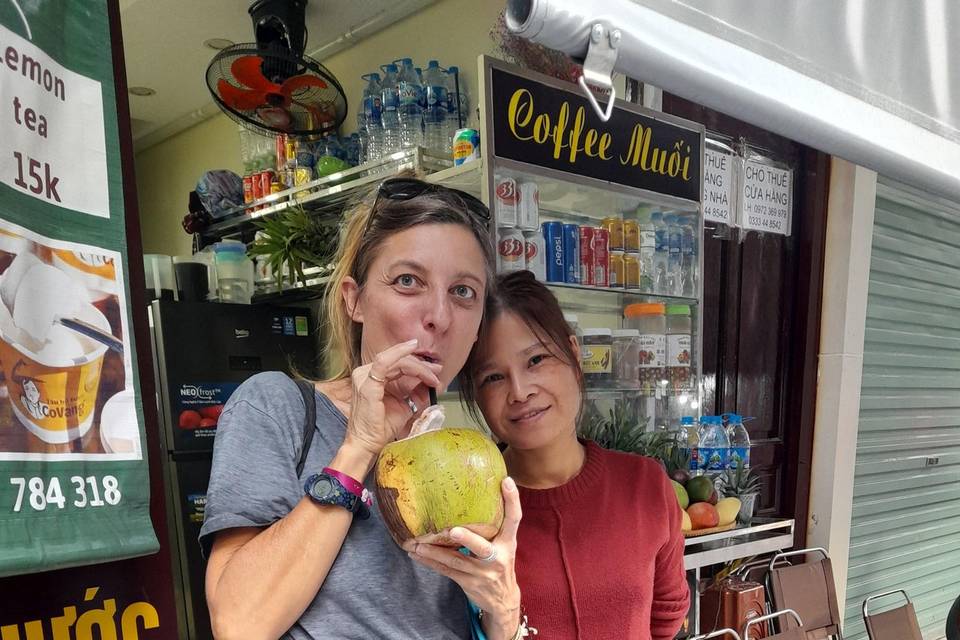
(281, 151)
(248, 189)
(631, 236)
(601, 258)
(586, 256)
(508, 201)
(257, 185)
(536, 259)
(265, 178)
(466, 146)
(553, 241)
(529, 213)
(571, 253)
(290, 152)
(511, 250)
(614, 227)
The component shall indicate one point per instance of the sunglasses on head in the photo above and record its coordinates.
(410, 188)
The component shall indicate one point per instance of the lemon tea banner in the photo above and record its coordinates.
(551, 124)
(74, 485)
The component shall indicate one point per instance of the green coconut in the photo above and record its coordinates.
(438, 479)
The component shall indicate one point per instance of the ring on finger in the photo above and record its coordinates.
(491, 557)
(373, 376)
(413, 405)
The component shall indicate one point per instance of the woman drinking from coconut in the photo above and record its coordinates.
(304, 555)
(599, 551)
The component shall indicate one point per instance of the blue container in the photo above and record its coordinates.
(571, 253)
(553, 243)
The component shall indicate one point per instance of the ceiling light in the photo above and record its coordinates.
(218, 43)
(142, 91)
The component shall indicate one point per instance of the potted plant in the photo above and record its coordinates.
(741, 483)
(294, 240)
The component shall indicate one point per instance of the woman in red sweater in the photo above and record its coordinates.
(599, 549)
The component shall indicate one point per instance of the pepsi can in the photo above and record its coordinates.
(571, 253)
(553, 239)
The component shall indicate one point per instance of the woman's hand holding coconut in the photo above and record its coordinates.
(487, 575)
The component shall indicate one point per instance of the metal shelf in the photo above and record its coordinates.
(330, 195)
(764, 536)
(628, 293)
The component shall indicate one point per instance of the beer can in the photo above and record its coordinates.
(614, 227)
(281, 151)
(616, 269)
(553, 241)
(466, 146)
(247, 189)
(601, 258)
(257, 185)
(631, 271)
(571, 253)
(586, 255)
(507, 202)
(265, 178)
(631, 236)
(511, 250)
(536, 259)
(290, 152)
(529, 213)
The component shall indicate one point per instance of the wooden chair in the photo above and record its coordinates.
(807, 588)
(899, 623)
(792, 633)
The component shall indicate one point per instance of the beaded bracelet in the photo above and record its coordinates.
(524, 629)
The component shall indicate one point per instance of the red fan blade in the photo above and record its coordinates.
(240, 99)
(246, 70)
(294, 84)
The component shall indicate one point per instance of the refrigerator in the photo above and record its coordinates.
(202, 352)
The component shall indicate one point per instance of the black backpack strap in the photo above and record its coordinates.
(309, 420)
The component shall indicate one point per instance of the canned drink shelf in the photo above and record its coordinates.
(330, 195)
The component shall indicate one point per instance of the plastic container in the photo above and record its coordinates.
(626, 358)
(234, 272)
(158, 273)
(596, 358)
(650, 321)
(679, 349)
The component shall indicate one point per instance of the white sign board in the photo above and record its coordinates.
(717, 186)
(53, 146)
(766, 198)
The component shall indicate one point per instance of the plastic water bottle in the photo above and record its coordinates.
(435, 114)
(391, 114)
(661, 252)
(739, 442)
(714, 446)
(688, 258)
(674, 242)
(648, 249)
(409, 110)
(457, 98)
(371, 131)
(688, 439)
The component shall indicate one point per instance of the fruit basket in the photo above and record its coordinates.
(703, 532)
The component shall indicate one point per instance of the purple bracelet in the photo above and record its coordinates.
(350, 484)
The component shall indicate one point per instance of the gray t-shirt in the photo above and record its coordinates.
(373, 589)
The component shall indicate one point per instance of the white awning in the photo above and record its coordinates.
(870, 81)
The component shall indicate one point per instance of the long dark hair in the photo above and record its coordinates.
(520, 293)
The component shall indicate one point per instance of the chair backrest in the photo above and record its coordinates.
(725, 633)
(795, 631)
(808, 589)
(899, 623)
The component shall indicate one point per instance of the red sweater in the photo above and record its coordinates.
(602, 555)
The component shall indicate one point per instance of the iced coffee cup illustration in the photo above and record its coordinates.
(51, 373)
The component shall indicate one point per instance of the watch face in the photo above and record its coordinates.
(323, 488)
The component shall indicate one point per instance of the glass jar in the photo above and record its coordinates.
(614, 227)
(679, 350)
(596, 358)
(631, 271)
(650, 321)
(626, 358)
(616, 270)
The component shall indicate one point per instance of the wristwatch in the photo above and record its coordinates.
(323, 488)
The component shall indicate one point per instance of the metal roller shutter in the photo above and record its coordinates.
(905, 530)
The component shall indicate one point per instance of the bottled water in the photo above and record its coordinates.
(661, 253)
(410, 113)
(739, 442)
(689, 442)
(688, 257)
(390, 115)
(714, 446)
(674, 243)
(369, 120)
(457, 98)
(435, 114)
(648, 248)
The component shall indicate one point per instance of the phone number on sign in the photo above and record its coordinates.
(88, 491)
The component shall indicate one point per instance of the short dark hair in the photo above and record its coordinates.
(521, 294)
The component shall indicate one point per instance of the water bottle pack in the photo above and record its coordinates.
(714, 445)
(739, 442)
